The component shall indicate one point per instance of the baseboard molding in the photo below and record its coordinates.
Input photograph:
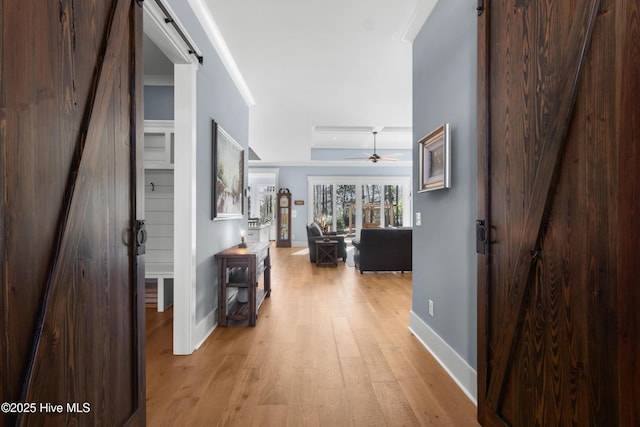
(205, 328)
(458, 369)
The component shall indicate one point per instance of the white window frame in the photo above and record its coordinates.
(359, 181)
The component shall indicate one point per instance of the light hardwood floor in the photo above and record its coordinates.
(331, 348)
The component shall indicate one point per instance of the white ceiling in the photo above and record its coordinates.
(323, 74)
(156, 65)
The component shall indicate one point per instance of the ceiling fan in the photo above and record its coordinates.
(375, 157)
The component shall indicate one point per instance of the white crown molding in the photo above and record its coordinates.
(203, 14)
(415, 24)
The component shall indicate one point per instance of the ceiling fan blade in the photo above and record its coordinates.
(375, 157)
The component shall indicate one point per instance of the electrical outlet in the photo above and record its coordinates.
(418, 218)
(431, 308)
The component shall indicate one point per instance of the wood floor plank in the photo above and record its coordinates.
(426, 407)
(276, 376)
(364, 407)
(328, 368)
(243, 400)
(176, 411)
(303, 402)
(333, 408)
(394, 404)
(354, 371)
(270, 416)
(345, 340)
(218, 391)
(372, 357)
(331, 347)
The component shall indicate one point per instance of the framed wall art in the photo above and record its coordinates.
(227, 186)
(435, 159)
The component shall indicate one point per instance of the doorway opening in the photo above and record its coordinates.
(174, 161)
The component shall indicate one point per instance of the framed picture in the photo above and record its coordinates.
(227, 186)
(435, 160)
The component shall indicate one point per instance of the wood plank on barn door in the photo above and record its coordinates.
(549, 136)
(73, 320)
(628, 226)
(552, 362)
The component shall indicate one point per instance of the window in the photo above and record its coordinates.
(323, 206)
(347, 204)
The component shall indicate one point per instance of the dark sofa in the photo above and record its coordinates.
(383, 249)
(314, 232)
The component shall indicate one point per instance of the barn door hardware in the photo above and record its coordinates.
(141, 237)
(482, 236)
(480, 7)
(169, 20)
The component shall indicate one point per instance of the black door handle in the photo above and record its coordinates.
(482, 236)
(141, 237)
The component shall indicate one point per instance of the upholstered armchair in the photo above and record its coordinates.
(314, 232)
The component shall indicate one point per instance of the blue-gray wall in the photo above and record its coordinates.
(158, 102)
(444, 259)
(218, 99)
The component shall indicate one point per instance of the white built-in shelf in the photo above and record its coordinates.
(158, 144)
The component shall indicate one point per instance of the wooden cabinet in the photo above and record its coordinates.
(284, 219)
(326, 253)
(241, 268)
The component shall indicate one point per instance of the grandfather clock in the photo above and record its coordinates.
(284, 218)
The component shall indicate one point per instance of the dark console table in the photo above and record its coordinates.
(241, 268)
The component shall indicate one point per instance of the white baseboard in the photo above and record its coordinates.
(458, 369)
(205, 328)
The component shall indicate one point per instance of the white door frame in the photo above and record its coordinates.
(184, 246)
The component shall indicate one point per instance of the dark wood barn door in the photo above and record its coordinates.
(559, 131)
(72, 316)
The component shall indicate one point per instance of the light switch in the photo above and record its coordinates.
(418, 219)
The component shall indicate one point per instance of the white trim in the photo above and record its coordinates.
(165, 36)
(185, 67)
(205, 328)
(335, 179)
(203, 13)
(420, 16)
(158, 80)
(184, 254)
(264, 172)
(158, 126)
(165, 127)
(458, 369)
(359, 181)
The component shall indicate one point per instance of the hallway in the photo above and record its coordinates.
(331, 348)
